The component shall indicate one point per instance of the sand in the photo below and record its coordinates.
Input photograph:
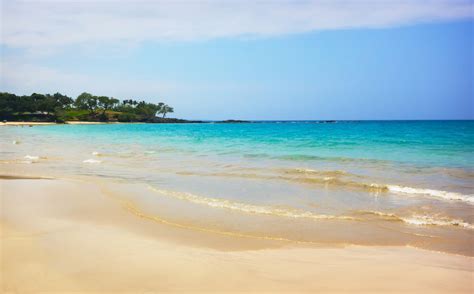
(32, 124)
(25, 123)
(71, 236)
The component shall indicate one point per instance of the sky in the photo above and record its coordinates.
(262, 60)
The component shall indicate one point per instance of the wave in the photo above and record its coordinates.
(433, 193)
(247, 208)
(336, 181)
(383, 215)
(423, 220)
(337, 178)
(374, 187)
(131, 207)
(418, 220)
(304, 157)
(92, 161)
(307, 171)
(32, 157)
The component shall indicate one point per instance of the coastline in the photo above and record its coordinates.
(22, 123)
(70, 235)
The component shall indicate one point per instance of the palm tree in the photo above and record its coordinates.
(166, 109)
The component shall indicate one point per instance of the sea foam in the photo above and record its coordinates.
(92, 161)
(31, 157)
(433, 193)
(419, 220)
(245, 207)
(423, 220)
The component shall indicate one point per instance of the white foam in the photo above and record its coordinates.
(433, 193)
(95, 153)
(305, 170)
(381, 214)
(245, 207)
(92, 161)
(31, 157)
(423, 220)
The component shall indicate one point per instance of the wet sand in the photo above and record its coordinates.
(65, 235)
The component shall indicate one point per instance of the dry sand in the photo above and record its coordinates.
(70, 236)
(25, 123)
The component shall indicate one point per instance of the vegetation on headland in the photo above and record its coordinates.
(86, 107)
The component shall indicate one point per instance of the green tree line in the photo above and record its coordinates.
(87, 107)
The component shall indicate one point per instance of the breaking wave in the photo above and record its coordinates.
(432, 193)
(341, 179)
(92, 161)
(32, 157)
(423, 220)
(245, 207)
(419, 220)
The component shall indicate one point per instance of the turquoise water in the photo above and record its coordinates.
(370, 148)
(420, 143)
(377, 182)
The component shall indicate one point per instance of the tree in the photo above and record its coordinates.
(166, 109)
(9, 104)
(62, 101)
(86, 101)
(106, 103)
(149, 110)
(41, 103)
(58, 107)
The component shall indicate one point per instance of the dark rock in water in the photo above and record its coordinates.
(329, 121)
(232, 121)
(161, 120)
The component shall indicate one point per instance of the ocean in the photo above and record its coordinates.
(393, 183)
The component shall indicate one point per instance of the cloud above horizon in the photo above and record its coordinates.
(203, 56)
(49, 25)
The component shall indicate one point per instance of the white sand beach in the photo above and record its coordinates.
(69, 236)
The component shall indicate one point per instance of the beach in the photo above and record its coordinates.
(263, 207)
(33, 123)
(236, 146)
(67, 236)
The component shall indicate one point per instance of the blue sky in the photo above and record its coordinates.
(414, 63)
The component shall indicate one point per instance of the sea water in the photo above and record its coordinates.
(366, 182)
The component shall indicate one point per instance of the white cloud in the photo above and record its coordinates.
(25, 79)
(48, 25)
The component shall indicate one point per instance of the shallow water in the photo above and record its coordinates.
(371, 183)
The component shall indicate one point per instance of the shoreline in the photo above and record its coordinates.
(69, 235)
(25, 123)
(15, 123)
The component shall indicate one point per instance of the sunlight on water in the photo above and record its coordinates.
(307, 182)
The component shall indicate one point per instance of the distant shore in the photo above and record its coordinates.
(32, 123)
(162, 121)
(25, 123)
